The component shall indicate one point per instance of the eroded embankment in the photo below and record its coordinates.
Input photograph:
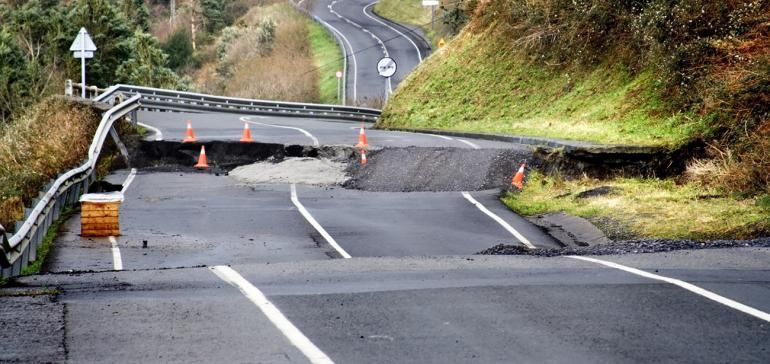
(223, 156)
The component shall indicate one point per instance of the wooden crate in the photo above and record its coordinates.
(100, 214)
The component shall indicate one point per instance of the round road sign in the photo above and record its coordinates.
(386, 67)
(339, 74)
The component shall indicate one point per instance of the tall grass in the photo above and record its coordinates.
(49, 138)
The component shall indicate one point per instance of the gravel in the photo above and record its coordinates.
(628, 247)
(308, 171)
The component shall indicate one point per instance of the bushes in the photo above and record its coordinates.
(52, 136)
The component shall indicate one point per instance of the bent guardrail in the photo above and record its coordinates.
(179, 101)
(19, 249)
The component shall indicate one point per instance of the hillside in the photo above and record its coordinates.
(654, 73)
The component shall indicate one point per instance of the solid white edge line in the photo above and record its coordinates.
(291, 332)
(688, 286)
(438, 136)
(316, 225)
(472, 145)
(303, 131)
(117, 260)
(129, 180)
(499, 220)
(419, 54)
(158, 133)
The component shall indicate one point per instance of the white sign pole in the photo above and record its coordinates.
(83, 64)
(83, 47)
(432, 17)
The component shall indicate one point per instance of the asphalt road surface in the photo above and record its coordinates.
(299, 131)
(368, 38)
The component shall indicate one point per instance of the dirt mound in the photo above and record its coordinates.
(436, 169)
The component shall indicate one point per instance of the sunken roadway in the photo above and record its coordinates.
(214, 268)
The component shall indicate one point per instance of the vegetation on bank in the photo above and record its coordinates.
(450, 17)
(648, 208)
(50, 137)
(35, 59)
(272, 52)
(653, 72)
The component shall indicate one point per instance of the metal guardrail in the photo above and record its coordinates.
(177, 101)
(19, 249)
(91, 91)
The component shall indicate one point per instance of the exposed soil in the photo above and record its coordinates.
(436, 169)
(628, 247)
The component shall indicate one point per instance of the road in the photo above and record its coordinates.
(368, 38)
(296, 131)
(210, 269)
(240, 273)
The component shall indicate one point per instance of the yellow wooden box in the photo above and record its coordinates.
(100, 214)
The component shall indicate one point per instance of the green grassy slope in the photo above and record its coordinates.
(327, 57)
(479, 83)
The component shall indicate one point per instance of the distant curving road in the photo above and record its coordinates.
(367, 38)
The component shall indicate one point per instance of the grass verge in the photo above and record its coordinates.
(47, 244)
(327, 59)
(647, 208)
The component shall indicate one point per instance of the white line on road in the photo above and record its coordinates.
(128, 180)
(291, 332)
(316, 225)
(303, 131)
(419, 54)
(439, 136)
(688, 286)
(499, 220)
(388, 85)
(117, 260)
(158, 133)
(472, 145)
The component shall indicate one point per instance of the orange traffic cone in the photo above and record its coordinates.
(518, 179)
(190, 137)
(246, 134)
(363, 157)
(362, 144)
(202, 162)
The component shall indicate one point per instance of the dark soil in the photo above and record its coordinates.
(598, 191)
(626, 247)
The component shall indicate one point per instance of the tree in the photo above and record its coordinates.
(13, 85)
(146, 64)
(213, 12)
(179, 49)
(137, 11)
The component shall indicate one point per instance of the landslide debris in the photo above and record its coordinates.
(436, 169)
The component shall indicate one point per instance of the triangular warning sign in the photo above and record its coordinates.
(77, 45)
